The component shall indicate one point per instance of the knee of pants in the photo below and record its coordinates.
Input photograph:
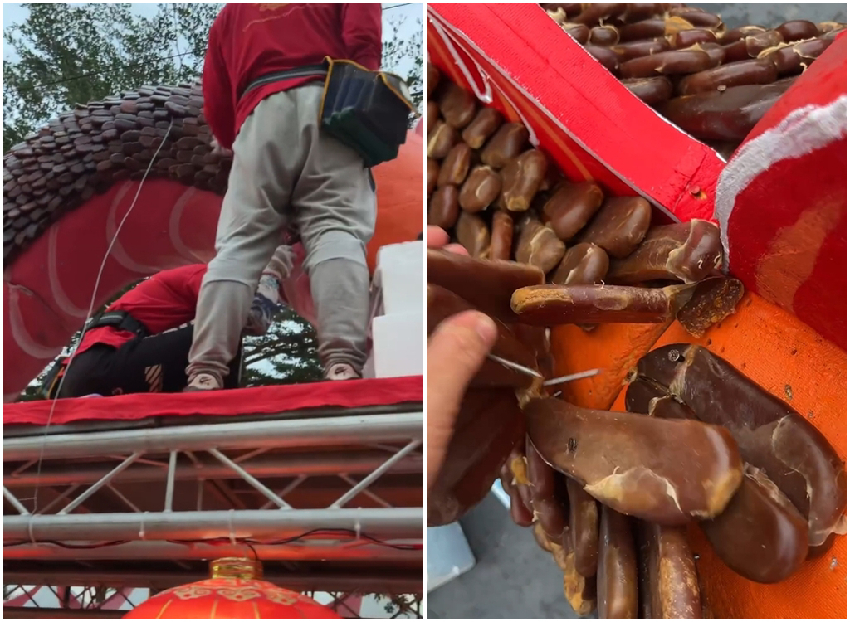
(335, 245)
(232, 271)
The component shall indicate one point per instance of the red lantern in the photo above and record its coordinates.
(234, 591)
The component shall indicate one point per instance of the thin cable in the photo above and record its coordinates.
(91, 308)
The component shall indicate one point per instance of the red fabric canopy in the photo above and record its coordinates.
(258, 400)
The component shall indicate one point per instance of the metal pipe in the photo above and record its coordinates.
(379, 523)
(332, 463)
(367, 493)
(14, 501)
(264, 490)
(396, 581)
(169, 481)
(367, 481)
(286, 490)
(170, 551)
(69, 491)
(282, 433)
(24, 466)
(123, 499)
(99, 484)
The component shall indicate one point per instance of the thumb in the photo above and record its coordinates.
(456, 351)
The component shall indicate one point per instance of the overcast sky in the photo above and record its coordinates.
(407, 14)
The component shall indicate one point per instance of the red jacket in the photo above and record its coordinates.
(248, 41)
(166, 300)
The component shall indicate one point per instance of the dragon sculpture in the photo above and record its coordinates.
(68, 187)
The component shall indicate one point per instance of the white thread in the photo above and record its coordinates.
(29, 529)
(142, 527)
(230, 527)
(514, 366)
(577, 376)
(91, 307)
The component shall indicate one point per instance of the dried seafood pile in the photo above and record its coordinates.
(609, 494)
(714, 83)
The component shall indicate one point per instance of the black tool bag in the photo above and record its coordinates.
(366, 110)
(120, 320)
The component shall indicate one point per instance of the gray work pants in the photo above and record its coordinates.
(286, 170)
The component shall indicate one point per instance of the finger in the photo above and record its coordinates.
(456, 248)
(436, 237)
(456, 350)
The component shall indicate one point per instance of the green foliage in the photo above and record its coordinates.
(76, 53)
(70, 54)
(286, 354)
(410, 52)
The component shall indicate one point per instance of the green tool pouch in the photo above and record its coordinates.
(366, 110)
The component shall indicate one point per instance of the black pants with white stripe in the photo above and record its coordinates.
(154, 364)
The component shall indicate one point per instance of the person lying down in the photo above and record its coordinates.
(140, 343)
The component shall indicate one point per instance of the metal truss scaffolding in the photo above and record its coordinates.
(329, 500)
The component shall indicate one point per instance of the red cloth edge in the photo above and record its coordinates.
(253, 401)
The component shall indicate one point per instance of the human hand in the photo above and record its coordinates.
(218, 149)
(437, 238)
(455, 352)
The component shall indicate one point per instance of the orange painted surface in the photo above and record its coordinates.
(788, 359)
(401, 216)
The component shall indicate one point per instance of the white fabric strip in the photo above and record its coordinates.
(803, 131)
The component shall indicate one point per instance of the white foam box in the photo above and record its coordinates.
(449, 555)
(400, 275)
(398, 344)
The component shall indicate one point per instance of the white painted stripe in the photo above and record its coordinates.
(118, 253)
(62, 301)
(19, 330)
(174, 226)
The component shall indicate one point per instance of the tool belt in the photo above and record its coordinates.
(120, 320)
(366, 110)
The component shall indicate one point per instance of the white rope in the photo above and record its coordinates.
(577, 376)
(91, 308)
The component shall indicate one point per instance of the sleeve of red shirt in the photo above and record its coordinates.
(193, 284)
(218, 93)
(361, 34)
(185, 282)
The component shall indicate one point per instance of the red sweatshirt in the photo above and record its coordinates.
(166, 300)
(248, 41)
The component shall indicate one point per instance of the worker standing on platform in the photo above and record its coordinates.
(140, 343)
(263, 94)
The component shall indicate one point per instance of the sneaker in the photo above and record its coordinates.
(203, 382)
(342, 371)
